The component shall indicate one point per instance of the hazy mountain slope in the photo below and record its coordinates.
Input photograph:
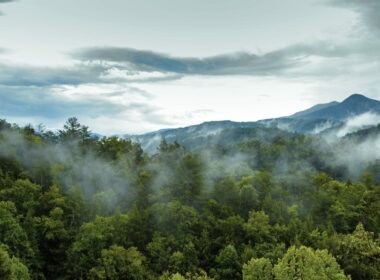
(322, 118)
(364, 134)
(197, 136)
(312, 126)
(313, 109)
(354, 105)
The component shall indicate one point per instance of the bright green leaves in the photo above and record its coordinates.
(301, 263)
(11, 268)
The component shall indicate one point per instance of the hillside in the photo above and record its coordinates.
(327, 118)
(354, 105)
(73, 204)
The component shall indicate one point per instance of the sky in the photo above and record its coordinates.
(129, 67)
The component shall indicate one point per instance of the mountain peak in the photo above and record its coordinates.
(353, 105)
(356, 97)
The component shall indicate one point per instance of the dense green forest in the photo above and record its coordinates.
(74, 206)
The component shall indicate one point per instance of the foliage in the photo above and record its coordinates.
(258, 269)
(11, 268)
(305, 263)
(276, 206)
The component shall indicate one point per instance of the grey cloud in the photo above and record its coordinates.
(240, 63)
(119, 65)
(98, 65)
(5, 1)
(368, 10)
(12, 75)
(81, 73)
(48, 103)
(44, 102)
(131, 91)
(237, 63)
(28, 92)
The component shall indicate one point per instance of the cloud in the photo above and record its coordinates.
(368, 10)
(118, 65)
(5, 1)
(52, 103)
(357, 156)
(359, 122)
(108, 108)
(239, 63)
(57, 92)
(80, 73)
(99, 84)
(87, 90)
(317, 59)
(16, 75)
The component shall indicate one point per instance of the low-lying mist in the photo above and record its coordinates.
(67, 164)
(84, 162)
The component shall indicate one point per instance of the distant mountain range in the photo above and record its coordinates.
(321, 118)
(354, 105)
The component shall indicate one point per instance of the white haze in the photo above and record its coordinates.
(359, 122)
(322, 127)
(100, 180)
(357, 156)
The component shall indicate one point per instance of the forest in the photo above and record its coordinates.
(278, 207)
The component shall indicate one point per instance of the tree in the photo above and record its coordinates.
(73, 130)
(305, 263)
(189, 173)
(263, 183)
(177, 220)
(371, 213)
(119, 263)
(23, 194)
(258, 269)
(92, 238)
(248, 196)
(185, 260)
(226, 192)
(11, 268)
(188, 276)
(358, 253)
(142, 196)
(263, 237)
(257, 228)
(159, 251)
(227, 264)
(11, 232)
(54, 241)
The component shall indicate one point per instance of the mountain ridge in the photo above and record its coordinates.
(313, 120)
(355, 104)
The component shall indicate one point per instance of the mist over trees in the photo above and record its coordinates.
(278, 207)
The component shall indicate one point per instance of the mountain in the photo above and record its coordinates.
(354, 105)
(325, 118)
(328, 115)
(196, 135)
(313, 109)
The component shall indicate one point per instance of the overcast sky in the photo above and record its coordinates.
(126, 66)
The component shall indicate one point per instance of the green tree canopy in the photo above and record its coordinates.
(305, 263)
(258, 269)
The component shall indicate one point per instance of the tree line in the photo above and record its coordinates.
(75, 206)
